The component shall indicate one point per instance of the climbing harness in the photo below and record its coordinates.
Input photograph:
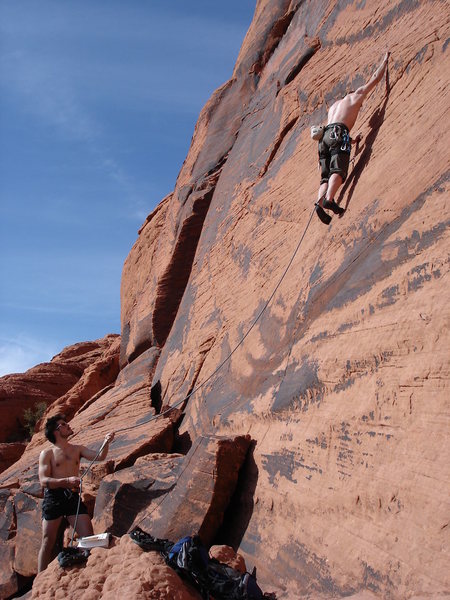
(340, 134)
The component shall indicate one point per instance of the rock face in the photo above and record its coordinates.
(10, 453)
(174, 496)
(202, 493)
(343, 380)
(331, 355)
(137, 490)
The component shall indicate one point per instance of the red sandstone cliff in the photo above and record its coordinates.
(335, 404)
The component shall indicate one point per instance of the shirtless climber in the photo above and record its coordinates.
(59, 469)
(334, 147)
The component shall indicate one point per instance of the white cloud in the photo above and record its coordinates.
(20, 354)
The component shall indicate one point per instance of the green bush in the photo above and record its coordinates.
(32, 415)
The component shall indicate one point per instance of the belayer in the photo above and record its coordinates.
(334, 144)
(59, 475)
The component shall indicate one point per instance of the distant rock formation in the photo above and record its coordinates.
(340, 381)
(78, 371)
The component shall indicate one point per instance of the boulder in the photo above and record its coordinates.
(122, 571)
(10, 453)
(7, 515)
(29, 533)
(226, 555)
(135, 491)
(8, 577)
(204, 487)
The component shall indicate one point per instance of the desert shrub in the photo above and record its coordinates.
(32, 415)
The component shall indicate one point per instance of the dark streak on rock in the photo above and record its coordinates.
(304, 59)
(173, 283)
(359, 274)
(404, 7)
(250, 543)
(345, 432)
(322, 442)
(344, 385)
(313, 574)
(274, 37)
(320, 336)
(243, 256)
(301, 386)
(421, 274)
(418, 58)
(376, 581)
(278, 143)
(345, 327)
(316, 273)
(125, 338)
(284, 464)
(390, 295)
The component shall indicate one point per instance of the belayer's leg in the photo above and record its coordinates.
(84, 525)
(49, 534)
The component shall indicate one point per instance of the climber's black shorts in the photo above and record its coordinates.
(334, 152)
(61, 502)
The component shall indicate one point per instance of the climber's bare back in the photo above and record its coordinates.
(346, 110)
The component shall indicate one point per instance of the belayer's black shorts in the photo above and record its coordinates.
(61, 502)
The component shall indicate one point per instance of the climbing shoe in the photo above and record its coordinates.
(323, 216)
(148, 542)
(69, 557)
(332, 205)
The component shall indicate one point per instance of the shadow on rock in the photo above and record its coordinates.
(240, 510)
(375, 123)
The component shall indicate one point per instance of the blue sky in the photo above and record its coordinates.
(98, 102)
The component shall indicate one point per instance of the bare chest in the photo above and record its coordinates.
(65, 462)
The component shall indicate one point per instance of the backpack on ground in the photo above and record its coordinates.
(190, 559)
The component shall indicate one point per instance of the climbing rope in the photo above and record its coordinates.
(77, 513)
(241, 341)
(86, 471)
(216, 370)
